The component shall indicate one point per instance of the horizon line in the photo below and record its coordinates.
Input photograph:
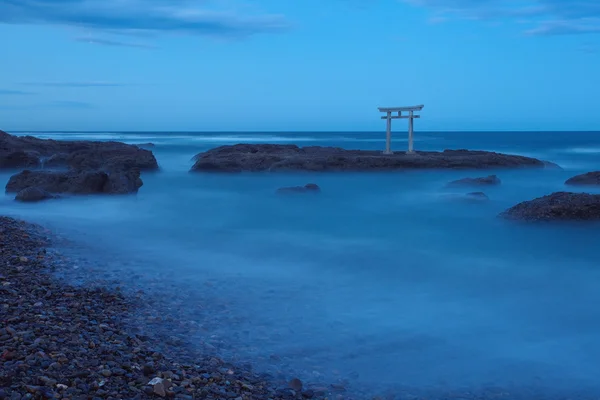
(303, 131)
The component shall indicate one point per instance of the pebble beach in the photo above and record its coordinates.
(64, 342)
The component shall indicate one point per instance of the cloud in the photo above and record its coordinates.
(147, 16)
(75, 84)
(65, 104)
(543, 17)
(114, 43)
(8, 92)
(68, 104)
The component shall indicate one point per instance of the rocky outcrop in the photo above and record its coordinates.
(18, 158)
(275, 157)
(87, 167)
(33, 194)
(30, 152)
(560, 206)
(491, 180)
(589, 179)
(76, 182)
(308, 188)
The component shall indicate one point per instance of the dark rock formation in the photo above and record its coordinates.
(92, 167)
(17, 159)
(308, 188)
(146, 145)
(33, 194)
(56, 160)
(275, 157)
(589, 179)
(29, 152)
(565, 206)
(76, 182)
(490, 180)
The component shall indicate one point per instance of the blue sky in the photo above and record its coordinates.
(298, 65)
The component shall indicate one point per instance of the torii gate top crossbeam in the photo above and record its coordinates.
(408, 108)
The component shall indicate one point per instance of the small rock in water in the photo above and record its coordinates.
(308, 188)
(588, 179)
(23, 259)
(490, 180)
(478, 196)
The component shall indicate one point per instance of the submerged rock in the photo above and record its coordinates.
(33, 194)
(276, 157)
(490, 180)
(588, 179)
(76, 182)
(467, 197)
(565, 206)
(308, 188)
(477, 196)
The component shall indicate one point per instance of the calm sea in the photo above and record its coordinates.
(382, 279)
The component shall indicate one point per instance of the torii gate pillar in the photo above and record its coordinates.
(388, 117)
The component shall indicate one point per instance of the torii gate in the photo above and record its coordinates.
(389, 117)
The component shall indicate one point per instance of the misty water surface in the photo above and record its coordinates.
(383, 278)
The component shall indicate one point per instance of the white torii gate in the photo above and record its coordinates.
(389, 117)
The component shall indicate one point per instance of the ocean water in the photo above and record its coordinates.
(383, 281)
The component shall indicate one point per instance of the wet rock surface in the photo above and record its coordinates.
(560, 206)
(87, 167)
(308, 188)
(76, 182)
(29, 152)
(588, 179)
(32, 195)
(274, 157)
(490, 180)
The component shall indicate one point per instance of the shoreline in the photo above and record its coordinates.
(48, 353)
(63, 341)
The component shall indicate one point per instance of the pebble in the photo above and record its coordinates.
(296, 384)
(159, 389)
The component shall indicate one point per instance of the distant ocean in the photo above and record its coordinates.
(382, 280)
